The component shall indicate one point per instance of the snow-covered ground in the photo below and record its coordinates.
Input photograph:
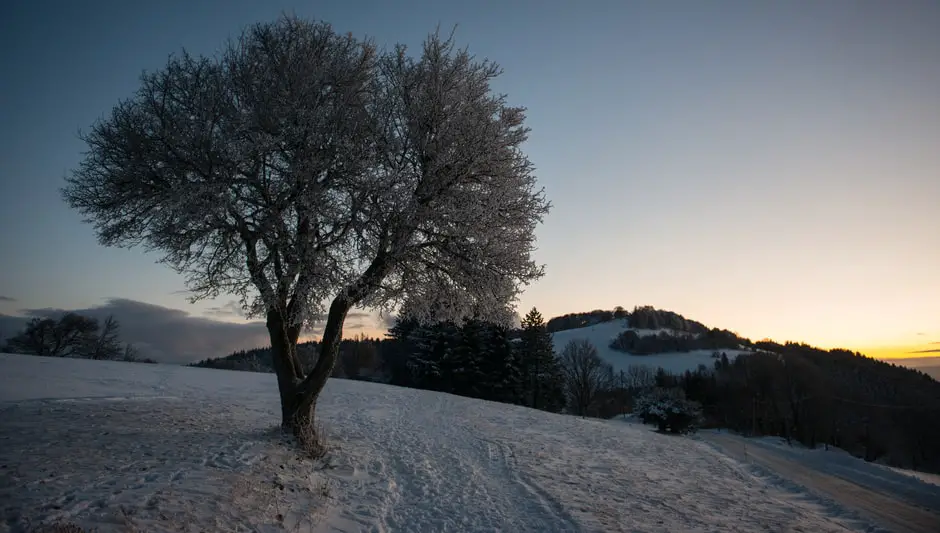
(897, 500)
(601, 335)
(169, 448)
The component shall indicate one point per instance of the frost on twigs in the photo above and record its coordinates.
(669, 410)
(308, 173)
(300, 165)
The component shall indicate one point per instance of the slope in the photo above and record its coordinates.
(169, 448)
(600, 335)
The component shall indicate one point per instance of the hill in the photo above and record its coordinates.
(165, 448)
(602, 334)
(927, 365)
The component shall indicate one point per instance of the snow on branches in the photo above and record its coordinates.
(301, 165)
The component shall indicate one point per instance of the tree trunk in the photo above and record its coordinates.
(286, 363)
(300, 404)
(299, 407)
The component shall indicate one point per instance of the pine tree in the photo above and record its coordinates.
(427, 357)
(540, 371)
(504, 377)
(468, 366)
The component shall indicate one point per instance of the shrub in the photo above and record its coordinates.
(669, 410)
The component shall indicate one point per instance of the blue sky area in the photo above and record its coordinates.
(769, 167)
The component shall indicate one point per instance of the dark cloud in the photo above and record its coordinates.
(173, 335)
(937, 350)
(7, 298)
(231, 309)
(11, 325)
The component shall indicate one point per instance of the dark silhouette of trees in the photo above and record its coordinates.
(72, 335)
(542, 376)
(587, 376)
(870, 408)
(578, 320)
(631, 342)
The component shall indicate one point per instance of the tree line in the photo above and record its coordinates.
(872, 409)
(641, 317)
(629, 341)
(73, 335)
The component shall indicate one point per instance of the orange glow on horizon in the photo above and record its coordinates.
(909, 351)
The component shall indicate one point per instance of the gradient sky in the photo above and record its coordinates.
(768, 167)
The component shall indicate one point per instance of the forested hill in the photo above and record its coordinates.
(642, 317)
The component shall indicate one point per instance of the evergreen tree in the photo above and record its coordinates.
(469, 376)
(540, 372)
(503, 376)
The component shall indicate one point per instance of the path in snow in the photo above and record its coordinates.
(410, 460)
(898, 506)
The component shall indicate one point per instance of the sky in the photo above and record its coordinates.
(768, 167)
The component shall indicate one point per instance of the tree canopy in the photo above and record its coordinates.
(309, 172)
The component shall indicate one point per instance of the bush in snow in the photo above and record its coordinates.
(669, 410)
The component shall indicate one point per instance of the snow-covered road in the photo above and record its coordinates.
(893, 501)
(186, 449)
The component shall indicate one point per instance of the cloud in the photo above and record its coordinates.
(232, 308)
(171, 335)
(176, 336)
(937, 350)
(7, 298)
(11, 325)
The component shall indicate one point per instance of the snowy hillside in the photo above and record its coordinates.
(602, 334)
(169, 448)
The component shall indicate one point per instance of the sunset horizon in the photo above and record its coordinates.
(767, 169)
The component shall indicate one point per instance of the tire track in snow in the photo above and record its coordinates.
(502, 455)
(430, 471)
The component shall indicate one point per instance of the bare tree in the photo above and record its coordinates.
(69, 336)
(131, 355)
(586, 375)
(639, 378)
(38, 337)
(308, 174)
(106, 345)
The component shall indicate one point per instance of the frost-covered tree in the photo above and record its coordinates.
(307, 173)
(669, 410)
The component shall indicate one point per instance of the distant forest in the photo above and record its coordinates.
(873, 409)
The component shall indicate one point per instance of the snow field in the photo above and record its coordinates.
(601, 335)
(181, 449)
